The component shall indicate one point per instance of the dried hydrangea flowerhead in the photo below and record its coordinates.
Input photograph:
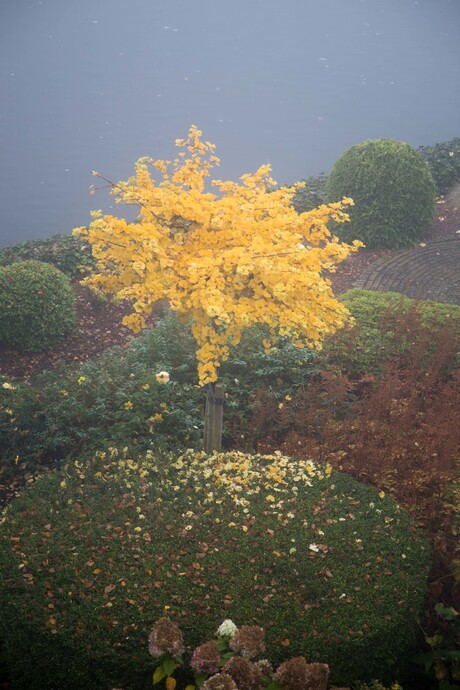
(226, 629)
(292, 674)
(248, 641)
(221, 681)
(317, 676)
(245, 674)
(265, 668)
(165, 637)
(206, 658)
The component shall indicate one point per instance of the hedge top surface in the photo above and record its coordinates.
(369, 307)
(393, 192)
(318, 560)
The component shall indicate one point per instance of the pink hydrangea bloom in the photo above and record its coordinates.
(248, 641)
(206, 658)
(245, 674)
(221, 681)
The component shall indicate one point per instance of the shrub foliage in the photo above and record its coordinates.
(312, 195)
(116, 399)
(91, 555)
(68, 253)
(393, 191)
(444, 162)
(37, 305)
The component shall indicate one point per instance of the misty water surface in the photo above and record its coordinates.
(95, 84)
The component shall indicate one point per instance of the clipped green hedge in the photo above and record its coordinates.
(68, 253)
(37, 306)
(92, 555)
(393, 192)
(369, 308)
(389, 326)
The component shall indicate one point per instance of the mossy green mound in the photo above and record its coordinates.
(393, 191)
(92, 555)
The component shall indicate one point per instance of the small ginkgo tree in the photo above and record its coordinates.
(223, 261)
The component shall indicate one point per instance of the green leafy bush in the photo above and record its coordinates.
(113, 399)
(92, 554)
(312, 195)
(37, 306)
(393, 191)
(444, 162)
(442, 661)
(116, 399)
(68, 253)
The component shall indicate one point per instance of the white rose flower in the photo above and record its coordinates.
(162, 377)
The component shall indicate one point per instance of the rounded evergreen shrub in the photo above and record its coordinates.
(37, 305)
(92, 555)
(393, 190)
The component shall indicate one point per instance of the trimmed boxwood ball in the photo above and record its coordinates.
(92, 555)
(393, 190)
(37, 306)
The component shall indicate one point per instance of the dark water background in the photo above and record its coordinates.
(95, 84)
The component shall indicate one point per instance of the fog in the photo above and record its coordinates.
(96, 84)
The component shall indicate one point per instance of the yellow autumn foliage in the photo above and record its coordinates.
(224, 260)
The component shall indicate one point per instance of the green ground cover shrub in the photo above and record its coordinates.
(37, 306)
(68, 253)
(444, 162)
(91, 555)
(393, 190)
(116, 399)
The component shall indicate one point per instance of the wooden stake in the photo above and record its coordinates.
(214, 417)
